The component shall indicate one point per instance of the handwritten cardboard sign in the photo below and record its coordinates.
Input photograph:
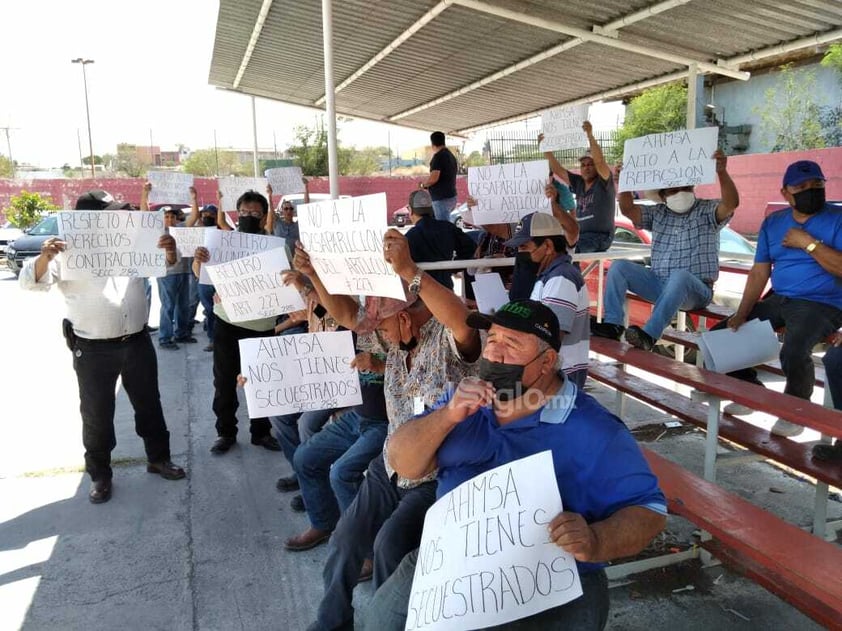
(298, 373)
(344, 238)
(188, 239)
(169, 187)
(251, 287)
(103, 243)
(230, 245)
(670, 159)
(505, 193)
(285, 180)
(232, 187)
(562, 128)
(486, 557)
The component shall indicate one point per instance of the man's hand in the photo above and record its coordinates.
(367, 362)
(540, 138)
(549, 190)
(305, 181)
(721, 161)
(301, 261)
(296, 279)
(836, 340)
(166, 242)
(202, 255)
(471, 394)
(797, 238)
(396, 252)
(269, 192)
(587, 128)
(51, 247)
(736, 321)
(194, 196)
(147, 186)
(571, 533)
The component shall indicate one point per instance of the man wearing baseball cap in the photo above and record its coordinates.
(521, 405)
(800, 249)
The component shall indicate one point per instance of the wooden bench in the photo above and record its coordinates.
(718, 387)
(797, 567)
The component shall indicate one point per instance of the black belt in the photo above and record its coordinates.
(111, 340)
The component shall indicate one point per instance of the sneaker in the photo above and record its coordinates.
(639, 338)
(785, 428)
(606, 329)
(186, 340)
(824, 451)
(737, 409)
(208, 348)
(168, 346)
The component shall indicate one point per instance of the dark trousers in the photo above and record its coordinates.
(832, 361)
(807, 323)
(226, 367)
(98, 364)
(206, 298)
(382, 518)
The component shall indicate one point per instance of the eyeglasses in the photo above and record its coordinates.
(253, 213)
(287, 208)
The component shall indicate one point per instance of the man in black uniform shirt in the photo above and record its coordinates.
(442, 180)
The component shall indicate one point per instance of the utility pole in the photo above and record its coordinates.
(9, 147)
(216, 153)
(151, 149)
(84, 63)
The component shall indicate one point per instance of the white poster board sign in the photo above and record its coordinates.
(285, 180)
(232, 187)
(299, 373)
(103, 243)
(669, 160)
(754, 343)
(229, 245)
(505, 193)
(188, 239)
(251, 287)
(562, 128)
(169, 187)
(489, 291)
(344, 238)
(486, 557)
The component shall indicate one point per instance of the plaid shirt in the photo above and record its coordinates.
(688, 241)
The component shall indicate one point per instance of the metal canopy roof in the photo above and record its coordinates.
(457, 65)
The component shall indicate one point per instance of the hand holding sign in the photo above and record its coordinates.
(670, 160)
(396, 252)
(572, 533)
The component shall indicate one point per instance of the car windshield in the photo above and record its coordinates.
(48, 226)
(733, 243)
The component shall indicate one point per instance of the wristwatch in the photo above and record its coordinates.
(809, 249)
(415, 285)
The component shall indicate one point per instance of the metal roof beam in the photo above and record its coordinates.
(542, 56)
(817, 39)
(425, 19)
(573, 31)
(255, 35)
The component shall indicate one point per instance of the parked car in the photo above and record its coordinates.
(400, 217)
(457, 216)
(29, 245)
(8, 233)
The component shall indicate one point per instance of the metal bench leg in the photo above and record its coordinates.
(820, 510)
(681, 325)
(600, 306)
(712, 437)
(620, 398)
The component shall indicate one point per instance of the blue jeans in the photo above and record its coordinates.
(442, 208)
(389, 607)
(682, 290)
(832, 361)
(330, 465)
(293, 430)
(206, 298)
(174, 292)
(594, 241)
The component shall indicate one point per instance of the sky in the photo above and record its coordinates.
(149, 76)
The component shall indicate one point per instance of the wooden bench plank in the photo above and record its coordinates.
(800, 411)
(794, 455)
(799, 568)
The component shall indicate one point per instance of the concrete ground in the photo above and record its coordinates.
(206, 553)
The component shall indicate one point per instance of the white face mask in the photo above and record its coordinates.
(681, 201)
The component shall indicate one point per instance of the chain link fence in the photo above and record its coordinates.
(516, 146)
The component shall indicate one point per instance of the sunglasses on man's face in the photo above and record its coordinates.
(287, 208)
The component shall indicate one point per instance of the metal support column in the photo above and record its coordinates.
(330, 97)
(254, 134)
(692, 75)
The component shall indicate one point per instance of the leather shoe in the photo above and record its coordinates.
(310, 538)
(100, 491)
(287, 484)
(166, 469)
(222, 444)
(366, 572)
(297, 504)
(267, 442)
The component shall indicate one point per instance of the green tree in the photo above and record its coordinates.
(833, 58)
(656, 110)
(790, 117)
(129, 161)
(211, 162)
(7, 169)
(26, 209)
(475, 159)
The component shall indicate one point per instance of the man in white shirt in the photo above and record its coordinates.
(107, 333)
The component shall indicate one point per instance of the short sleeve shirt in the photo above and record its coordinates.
(445, 163)
(594, 205)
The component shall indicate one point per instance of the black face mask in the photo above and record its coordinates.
(208, 221)
(408, 346)
(249, 223)
(524, 260)
(809, 201)
(507, 379)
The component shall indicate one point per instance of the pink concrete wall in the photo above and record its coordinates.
(758, 179)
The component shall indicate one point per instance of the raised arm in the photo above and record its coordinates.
(555, 165)
(193, 217)
(306, 190)
(144, 195)
(599, 162)
(626, 202)
(221, 222)
(270, 216)
(566, 219)
(729, 196)
(343, 309)
(445, 306)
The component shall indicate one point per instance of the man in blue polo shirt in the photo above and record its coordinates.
(800, 249)
(521, 405)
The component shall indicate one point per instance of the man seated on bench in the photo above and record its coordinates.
(520, 405)
(832, 361)
(685, 258)
(800, 249)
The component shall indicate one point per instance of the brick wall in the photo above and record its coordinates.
(758, 179)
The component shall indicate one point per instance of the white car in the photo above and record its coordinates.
(8, 233)
(298, 198)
